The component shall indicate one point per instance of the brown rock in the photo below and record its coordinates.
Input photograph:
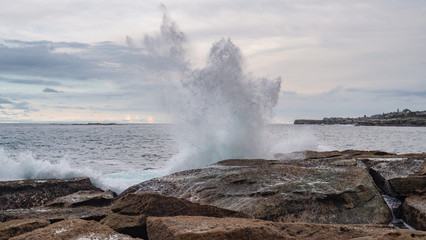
(404, 173)
(55, 214)
(131, 211)
(414, 208)
(72, 230)
(322, 188)
(197, 227)
(30, 193)
(84, 198)
(409, 185)
(403, 177)
(16, 227)
(396, 235)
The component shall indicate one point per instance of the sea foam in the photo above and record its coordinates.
(23, 165)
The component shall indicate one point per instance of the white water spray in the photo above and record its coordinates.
(221, 112)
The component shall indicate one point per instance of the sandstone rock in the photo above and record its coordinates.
(73, 230)
(55, 214)
(16, 227)
(412, 184)
(397, 235)
(84, 198)
(326, 188)
(131, 211)
(197, 227)
(402, 177)
(30, 193)
(405, 174)
(415, 211)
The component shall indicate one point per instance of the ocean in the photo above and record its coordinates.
(118, 156)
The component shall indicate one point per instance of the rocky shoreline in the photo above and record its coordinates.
(406, 118)
(304, 195)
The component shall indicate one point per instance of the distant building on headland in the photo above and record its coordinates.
(405, 117)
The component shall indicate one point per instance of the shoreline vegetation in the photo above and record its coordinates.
(304, 195)
(402, 118)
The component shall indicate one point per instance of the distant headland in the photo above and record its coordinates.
(405, 117)
(87, 124)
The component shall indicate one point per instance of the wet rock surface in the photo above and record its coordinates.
(55, 214)
(84, 198)
(415, 211)
(403, 177)
(81, 204)
(298, 193)
(190, 227)
(132, 210)
(16, 227)
(31, 193)
(73, 229)
(325, 187)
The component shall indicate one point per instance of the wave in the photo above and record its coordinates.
(23, 165)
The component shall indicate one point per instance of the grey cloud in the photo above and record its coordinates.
(30, 81)
(22, 106)
(66, 107)
(51, 90)
(389, 92)
(104, 60)
(13, 104)
(4, 100)
(49, 44)
(41, 61)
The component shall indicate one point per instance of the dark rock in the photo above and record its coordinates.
(322, 188)
(31, 193)
(396, 235)
(410, 185)
(400, 175)
(132, 210)
(55, 214)
(72, 230)
(415, 211)
(196, 227)
(84, 198)
(17, 227)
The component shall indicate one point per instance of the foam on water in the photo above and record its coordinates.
(23, 165)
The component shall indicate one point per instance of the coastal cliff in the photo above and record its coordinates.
(403, 118)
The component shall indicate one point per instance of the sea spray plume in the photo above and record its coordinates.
(170, 41)
(221, 112)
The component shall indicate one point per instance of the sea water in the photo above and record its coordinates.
(118, 156)
(218, 111)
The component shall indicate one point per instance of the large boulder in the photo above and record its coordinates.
(403, 177)
(321, 188)
(31, 193)
(132, 210)
(414, 211)
(17, 227)
(73, 230)
(196, 227)
(399, 175)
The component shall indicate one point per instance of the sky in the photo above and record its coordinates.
(93, 61)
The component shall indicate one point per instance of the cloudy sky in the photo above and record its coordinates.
(80, 61)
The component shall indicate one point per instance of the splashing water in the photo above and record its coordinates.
(221, 112)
